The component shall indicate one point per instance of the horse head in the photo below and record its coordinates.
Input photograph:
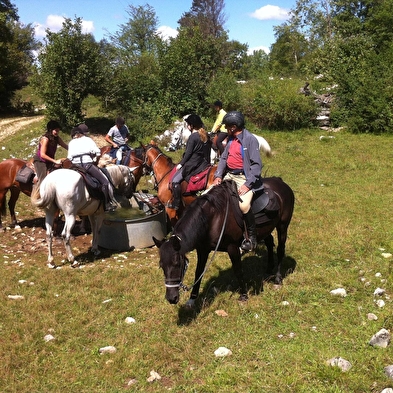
(123, 179)
(174, 264)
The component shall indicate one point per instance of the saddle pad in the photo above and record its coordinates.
(25, 175)
(198, 182)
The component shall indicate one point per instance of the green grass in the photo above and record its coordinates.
(342, 221)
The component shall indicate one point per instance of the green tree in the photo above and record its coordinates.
(70, 68)
(208, 15)
(17, 44)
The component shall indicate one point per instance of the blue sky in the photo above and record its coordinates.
(248, 21)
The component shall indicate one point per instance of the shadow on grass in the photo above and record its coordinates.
(254, 270)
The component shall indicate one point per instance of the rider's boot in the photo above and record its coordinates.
(249, 243)
(176, 191)
(109, 204)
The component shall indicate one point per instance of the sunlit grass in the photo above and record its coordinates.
(340, 228)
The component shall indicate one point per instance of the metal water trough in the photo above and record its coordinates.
(123, 234)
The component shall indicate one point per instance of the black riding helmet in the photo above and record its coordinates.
(76, 130)
(195, 121)
(234, 118)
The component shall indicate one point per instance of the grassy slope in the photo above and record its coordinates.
(341, 222)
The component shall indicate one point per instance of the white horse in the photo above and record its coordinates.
(64, 189)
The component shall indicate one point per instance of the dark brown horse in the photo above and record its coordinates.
(213, 222)
(10, 167)
(162, 167)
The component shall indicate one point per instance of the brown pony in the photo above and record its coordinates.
(162, 167)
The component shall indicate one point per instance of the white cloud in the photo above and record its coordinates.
(55, 23)
(255, 48)
(270, 12)
(167, 32)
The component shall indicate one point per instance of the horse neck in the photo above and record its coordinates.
(160, 166)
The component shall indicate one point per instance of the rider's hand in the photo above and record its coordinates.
(178, 167)
(217, 181)
(243, 189)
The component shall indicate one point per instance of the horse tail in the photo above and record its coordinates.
(49, 194)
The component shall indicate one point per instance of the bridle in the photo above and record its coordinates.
(160, 154)
(178, 282)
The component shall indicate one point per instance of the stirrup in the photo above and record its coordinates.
(248, 245)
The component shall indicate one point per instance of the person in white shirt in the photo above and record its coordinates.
(83, 152)
(117, 136)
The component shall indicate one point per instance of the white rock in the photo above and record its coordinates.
(285, 303)
(339, 292)
(341, 363)
(371, 316)
(387, 390)
(380, 339)
(389, 371)
(108, 349)
(379, 292)
(378, 274)
(386, 254)
(154, 376)
(16, 297)
(129, 320)
(48, 338)
(222, 352)
(22, 281)
(107, 301)
(380, 303)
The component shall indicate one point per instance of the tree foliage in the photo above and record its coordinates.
(70, 69)
(17, 44)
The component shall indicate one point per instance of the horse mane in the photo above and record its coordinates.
(154, 146)
(196, 218)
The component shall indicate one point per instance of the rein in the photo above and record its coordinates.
(152, 166)
(188, 288)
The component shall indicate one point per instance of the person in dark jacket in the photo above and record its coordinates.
(241, 162)
(196, 157)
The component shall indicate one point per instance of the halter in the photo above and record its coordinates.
(178, 283)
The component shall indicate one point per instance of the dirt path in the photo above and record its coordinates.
(11, 125)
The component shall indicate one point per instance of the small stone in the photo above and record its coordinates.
(16, 297)
(108, 349)
(380, 303)
(339, 292)
(285, 303)
(386, 254)
(129, 320)
(222, 352)
(371, 316)
(387, 390)
(339, 362)
(221, 313)
(48, 338)
(380, 339)
(154, 376)
(379, 292)
(389, 371)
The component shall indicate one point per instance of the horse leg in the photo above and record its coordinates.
(235, 256)
(11, 205)
(282, 238)
(66, 235)
(202, 259)
(269, 242)
(96, 223)
(49, 219)
(2, 206)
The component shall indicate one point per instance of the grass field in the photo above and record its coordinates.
(280, 339)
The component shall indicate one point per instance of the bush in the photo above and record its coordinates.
(277, 105)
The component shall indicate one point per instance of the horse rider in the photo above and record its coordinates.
(218, 127)
(241, 162)
(83, 152)
(196, 157)
(44, 159)
(117, 136)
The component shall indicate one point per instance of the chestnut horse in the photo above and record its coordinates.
(162, 167)
(213, 222)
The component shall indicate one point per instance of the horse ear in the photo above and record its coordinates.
(157, 242)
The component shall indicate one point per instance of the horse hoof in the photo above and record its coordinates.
(75, 264)
(51, 265)
(190, 303)
(243, 297)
